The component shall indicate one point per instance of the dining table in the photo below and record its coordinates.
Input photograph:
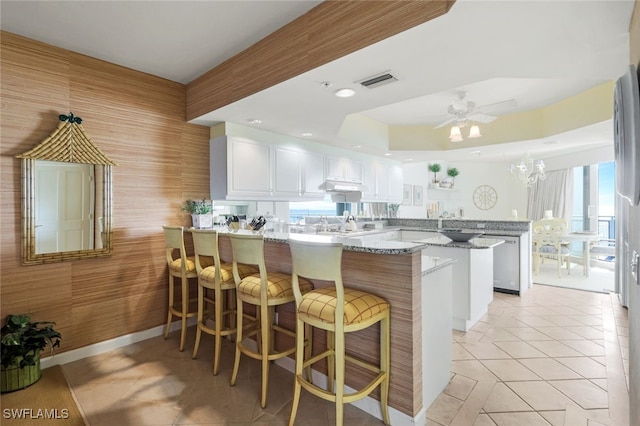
(586, 237)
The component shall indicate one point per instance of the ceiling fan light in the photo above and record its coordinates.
(474, 131)
(455, 135)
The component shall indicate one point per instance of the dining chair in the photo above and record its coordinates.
(182, 267)
(265, 290)
(547, 242)
(337, 310)
(218, 279)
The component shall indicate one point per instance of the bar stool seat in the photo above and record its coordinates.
(265, 290)
(337, 310)
(184, 268)
(216, 278)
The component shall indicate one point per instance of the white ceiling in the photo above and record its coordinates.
(536, 52)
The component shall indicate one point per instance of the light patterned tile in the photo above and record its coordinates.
(444, 409)
(583, 392)
(502, 400)
(520, 419)
(472, 369)
(534, 321)
(585, 366)
(510, 370)
(562, 320)
(587, 332)
(549, 369)
(586, 347)
(460, 387)
(554, 348)
(555, 418)
(485, 351)
(540, 395)
(592, 320)
(484, 420)
(520, 349)
(559, 333)
(498, 335)
(459, 353)
(528, 333)
(601, 383)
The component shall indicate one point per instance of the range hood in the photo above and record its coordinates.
(343, 191)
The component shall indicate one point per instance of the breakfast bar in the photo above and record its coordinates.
(418, 288)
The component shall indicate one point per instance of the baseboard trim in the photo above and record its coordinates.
(109, 345)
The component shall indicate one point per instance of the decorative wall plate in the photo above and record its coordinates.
(485, 197)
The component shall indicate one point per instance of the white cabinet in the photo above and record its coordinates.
(249, 168)
(344, 169)
(313, 174)
(297, 174)
(242, 169)
(383, 183)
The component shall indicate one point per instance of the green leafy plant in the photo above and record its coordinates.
(23, 340)
(434, 168)
(453, 172)
(393, 209)
(198, 207)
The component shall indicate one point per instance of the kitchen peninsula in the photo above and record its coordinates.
(419, 291)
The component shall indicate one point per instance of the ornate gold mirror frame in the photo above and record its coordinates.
(67, 144)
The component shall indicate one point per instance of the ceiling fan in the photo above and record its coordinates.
(462, 112)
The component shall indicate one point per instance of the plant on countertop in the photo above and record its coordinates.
(393, 210)
(198, 207)
(23, 340)
(434, 168)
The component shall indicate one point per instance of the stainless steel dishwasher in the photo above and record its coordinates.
(506, 265)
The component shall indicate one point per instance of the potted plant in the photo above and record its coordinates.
(434, 168)
(201, 212)
(452, 172)
(22, 342)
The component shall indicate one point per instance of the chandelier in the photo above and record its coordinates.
(528, 172)
(456, 134)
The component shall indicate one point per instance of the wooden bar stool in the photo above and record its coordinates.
(338, 310)
(265, 291)
(219, 279)
(184, 268)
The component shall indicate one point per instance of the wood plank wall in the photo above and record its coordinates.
(327, 32)
(138, 121)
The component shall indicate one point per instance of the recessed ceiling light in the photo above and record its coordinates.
(407, 160)
(474, 153)
(306, 134)
(345, 93)
(254, 121)
(549, 143)
(357, 146)
(387, 154)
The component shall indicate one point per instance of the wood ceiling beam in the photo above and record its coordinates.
(327, 32)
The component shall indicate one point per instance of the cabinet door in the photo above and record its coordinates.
(249, 168)
(369, 181)
(335, 168)
(353, 170)
(286, 172)
(312, 171)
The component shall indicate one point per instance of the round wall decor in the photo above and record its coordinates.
(485, 197)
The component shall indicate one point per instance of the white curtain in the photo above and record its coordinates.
(555, 193)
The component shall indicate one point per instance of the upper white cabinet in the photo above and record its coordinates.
(242, 169)
(383, 182)
(313, 174)
(344, 169)
(297, 173)
(249, 168)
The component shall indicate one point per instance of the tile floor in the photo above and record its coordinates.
(552, 357)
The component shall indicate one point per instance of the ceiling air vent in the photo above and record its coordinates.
(378, 80)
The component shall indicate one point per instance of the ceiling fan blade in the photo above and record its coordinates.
(498, 106)
(444, 123)
(482, 118)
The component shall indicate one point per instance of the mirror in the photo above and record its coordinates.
(67, 197)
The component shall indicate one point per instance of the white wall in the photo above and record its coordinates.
(511, 194)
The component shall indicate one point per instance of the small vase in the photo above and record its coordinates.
(202, 221)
